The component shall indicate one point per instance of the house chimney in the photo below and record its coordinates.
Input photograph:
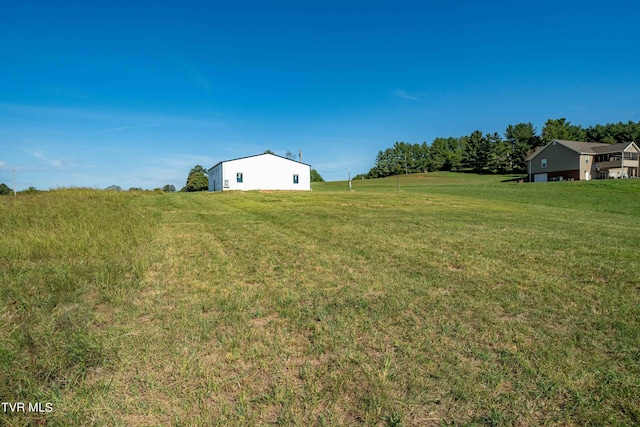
(300, 155)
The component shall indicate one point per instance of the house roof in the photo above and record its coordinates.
(257, 155)
(614, 148)
(535, 152)
(582, 147)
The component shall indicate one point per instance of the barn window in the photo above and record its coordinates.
(295, 179)
(543, 163)
(239, 177)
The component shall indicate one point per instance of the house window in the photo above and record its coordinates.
(543, 163)
(239, 177)
(586, 160)
(295, 179)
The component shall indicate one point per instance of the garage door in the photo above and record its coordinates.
(541, 177)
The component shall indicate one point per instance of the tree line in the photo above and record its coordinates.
(492, 152)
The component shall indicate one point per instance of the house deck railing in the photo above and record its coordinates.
(614, 164)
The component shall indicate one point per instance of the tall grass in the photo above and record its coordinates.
(481, 303)
(66, 258)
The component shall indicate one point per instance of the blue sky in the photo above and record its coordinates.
(137, 93)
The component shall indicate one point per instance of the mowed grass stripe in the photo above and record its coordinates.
(386, 273)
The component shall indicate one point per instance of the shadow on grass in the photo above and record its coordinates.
(519, 179)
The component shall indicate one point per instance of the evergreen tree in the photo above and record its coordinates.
(496, 155)
(475, 151)
(490, 153)
(562, 129)
(522, 139)
(614, 133)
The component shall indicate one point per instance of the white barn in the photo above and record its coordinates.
(260, 172)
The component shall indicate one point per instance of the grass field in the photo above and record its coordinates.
(456, 300)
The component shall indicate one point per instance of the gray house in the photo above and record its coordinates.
(575, 160)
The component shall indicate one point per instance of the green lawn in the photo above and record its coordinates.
(435, 299)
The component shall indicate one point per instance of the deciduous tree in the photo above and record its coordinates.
(5, 190)
(197, 180)
(315, 176)
(445, 154)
